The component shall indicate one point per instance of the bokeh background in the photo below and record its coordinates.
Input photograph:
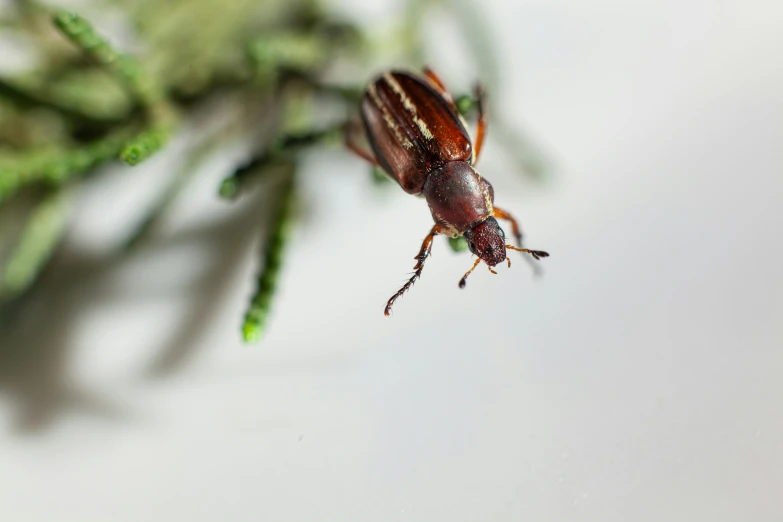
(638, 379)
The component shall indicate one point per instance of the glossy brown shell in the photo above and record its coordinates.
(412, 128)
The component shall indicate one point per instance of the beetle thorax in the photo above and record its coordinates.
(458, 197)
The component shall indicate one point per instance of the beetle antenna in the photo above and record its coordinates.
(537, 254)
(463, 282)
(509, 261)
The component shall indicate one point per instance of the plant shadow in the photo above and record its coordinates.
(37, 333)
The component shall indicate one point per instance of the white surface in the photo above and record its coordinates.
(640, 379)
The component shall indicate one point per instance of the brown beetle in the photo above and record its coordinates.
(419, 138)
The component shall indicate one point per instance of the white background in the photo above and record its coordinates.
(639, 379)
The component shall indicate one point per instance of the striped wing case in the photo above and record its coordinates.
(412, 128)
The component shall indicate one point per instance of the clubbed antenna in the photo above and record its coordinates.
(463, 281)
(538, 254)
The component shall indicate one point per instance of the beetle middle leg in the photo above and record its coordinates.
(421, 257)
(350, 134)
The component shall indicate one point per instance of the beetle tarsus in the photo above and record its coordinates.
(421, 257)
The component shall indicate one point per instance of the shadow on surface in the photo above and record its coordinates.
(37, 341)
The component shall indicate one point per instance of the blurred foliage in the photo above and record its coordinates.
(115, 81)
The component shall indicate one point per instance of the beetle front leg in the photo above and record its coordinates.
(502, 214)
(421, 257)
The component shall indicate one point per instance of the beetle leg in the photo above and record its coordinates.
(502, 214)
(429, 73)
(421, 257)
(350, 135)
(481, 128)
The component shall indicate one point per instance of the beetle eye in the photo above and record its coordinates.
(472, 247)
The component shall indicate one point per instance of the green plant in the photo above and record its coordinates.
(85, 104)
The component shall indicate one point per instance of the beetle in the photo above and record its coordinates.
(418, 137)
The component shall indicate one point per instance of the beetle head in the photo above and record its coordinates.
(488, 241)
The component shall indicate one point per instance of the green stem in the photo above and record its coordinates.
(58, 165)
(127, 70)
(153, 138)
(25, 97)
(147, 93)
(40, 237)
(278, 154)
(458, 244)
(297, 51)
(273, 250)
